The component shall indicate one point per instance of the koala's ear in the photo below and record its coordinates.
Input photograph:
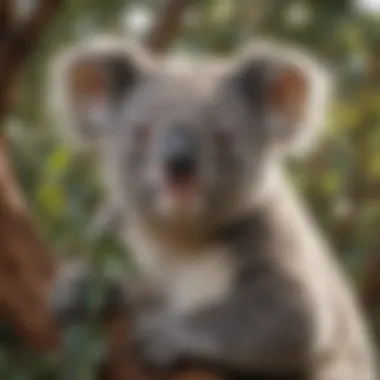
(87, 82)
(287, 89)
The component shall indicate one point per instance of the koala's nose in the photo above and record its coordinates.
(181, 153)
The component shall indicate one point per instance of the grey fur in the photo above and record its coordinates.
(242, 277)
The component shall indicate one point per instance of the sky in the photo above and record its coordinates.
(369, 5)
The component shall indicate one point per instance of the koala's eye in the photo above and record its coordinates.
(224, 140)
(141, 134)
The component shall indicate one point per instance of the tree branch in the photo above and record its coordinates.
(18, 42)
(25, 264)
(167, 26)
(370, 285)
(5, 17)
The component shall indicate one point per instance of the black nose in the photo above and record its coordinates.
(181, 153)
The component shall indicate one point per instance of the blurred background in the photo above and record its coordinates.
(340, 179)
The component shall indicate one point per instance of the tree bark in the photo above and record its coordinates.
(167, 26)
(25, 265)
(18, 42)
(370, 286)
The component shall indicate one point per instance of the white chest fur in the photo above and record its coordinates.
(187, 280)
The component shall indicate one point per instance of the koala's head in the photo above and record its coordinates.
(191, 144)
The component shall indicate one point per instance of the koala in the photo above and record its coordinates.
(232, 269)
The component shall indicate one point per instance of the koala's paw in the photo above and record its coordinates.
(67, 299)
(70, 296)
(161, 344)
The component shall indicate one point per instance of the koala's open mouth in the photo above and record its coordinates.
(183, 189)
(180, 197)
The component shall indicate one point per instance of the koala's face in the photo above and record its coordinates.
(183, 150)
(194, 146)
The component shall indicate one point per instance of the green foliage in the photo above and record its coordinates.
(340, 180)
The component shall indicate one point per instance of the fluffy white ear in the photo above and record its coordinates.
(86, 82)
(291, 89)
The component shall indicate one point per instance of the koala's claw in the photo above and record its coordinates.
(157, 355)
(160, 346)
